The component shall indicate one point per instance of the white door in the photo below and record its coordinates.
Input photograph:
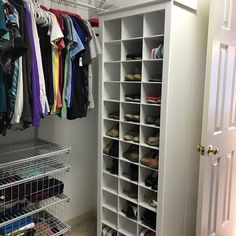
(217, 195)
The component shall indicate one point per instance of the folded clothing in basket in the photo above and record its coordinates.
(31, 188)
(16, 225)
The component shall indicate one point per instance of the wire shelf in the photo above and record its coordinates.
(28, 151)
(32, 209)
(18, 174)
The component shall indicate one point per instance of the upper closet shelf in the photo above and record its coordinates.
(29, 151)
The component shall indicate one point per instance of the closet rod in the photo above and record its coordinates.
(74, 3)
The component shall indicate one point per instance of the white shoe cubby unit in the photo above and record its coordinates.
(150, 123)
(32, 198)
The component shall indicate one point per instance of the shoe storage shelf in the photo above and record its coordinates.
(32, 198)
(149, 124)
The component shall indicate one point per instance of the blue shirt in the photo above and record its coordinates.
(77, 47)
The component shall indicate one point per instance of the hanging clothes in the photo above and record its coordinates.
(46, 58)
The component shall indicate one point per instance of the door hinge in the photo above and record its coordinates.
(201, 149)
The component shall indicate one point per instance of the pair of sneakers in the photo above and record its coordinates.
(107, 231)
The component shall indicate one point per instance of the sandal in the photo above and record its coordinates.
(153, 99)
(114, 132)
(133, 135)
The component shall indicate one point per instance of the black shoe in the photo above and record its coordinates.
(114, 149)
(114, 168)
(149, 218)
(152, 180)
(134, 172)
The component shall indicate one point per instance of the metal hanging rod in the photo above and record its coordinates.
(76, 4)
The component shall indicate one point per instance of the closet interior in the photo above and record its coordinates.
(34, 186)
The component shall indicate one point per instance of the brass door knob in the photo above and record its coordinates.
(201, 149)
(212, 151)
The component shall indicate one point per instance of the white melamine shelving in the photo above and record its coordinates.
(128, 88)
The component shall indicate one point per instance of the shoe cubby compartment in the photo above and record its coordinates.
(109, 218)
(129, 172)
(109, 126)
(132, 27)
(150, 116)
(147, 218)
(131, 93)
(152, 69)
(149, 44)
(112, 52)
(132, 69)
(110, 183)
(146, 151)
(129, 133)
(133, 48)
(110, 201)
(142, 231)
(106, 229)
(111, 147)
(112, 91)
(130, 113)
(127, 227)
(144, 175)
(151, 90)
(110, 108)
(158, 28)
(128, 191)
(110, 165)
(145, 199)
(123, 203)
(113, 29)
(147, 132)
(112, 72)
(126, 147)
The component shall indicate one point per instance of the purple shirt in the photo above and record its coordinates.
(36, 105)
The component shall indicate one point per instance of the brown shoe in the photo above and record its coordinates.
(153, 140)
(114, 132)
(150, 160)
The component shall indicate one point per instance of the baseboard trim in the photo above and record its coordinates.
(82, 217)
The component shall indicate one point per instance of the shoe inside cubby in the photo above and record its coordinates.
(111, 110)
(128, 209)
(132, 27)
(131, 72)
(149, 158)
(112, 52)
(110, 201)
(110, 165)
(148, 179)
(107, 229)
(148, 199)
(130, 113)
(150, 137)
(130, 133)
(129, 172)
(131, 93)
(127, 227)
(151, 94)
(147, 218)
(152, 72)
(144, 231)
(151, 43)
(132, 50)
(110, 147)
(111, 129)
(112, 72)
(109, 218)
(129, 152)
(154, 23)
(150, 116)
(128, 191)
(112, 91)
(112, 29)
(110, 183)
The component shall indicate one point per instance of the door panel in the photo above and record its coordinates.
(216, 206)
